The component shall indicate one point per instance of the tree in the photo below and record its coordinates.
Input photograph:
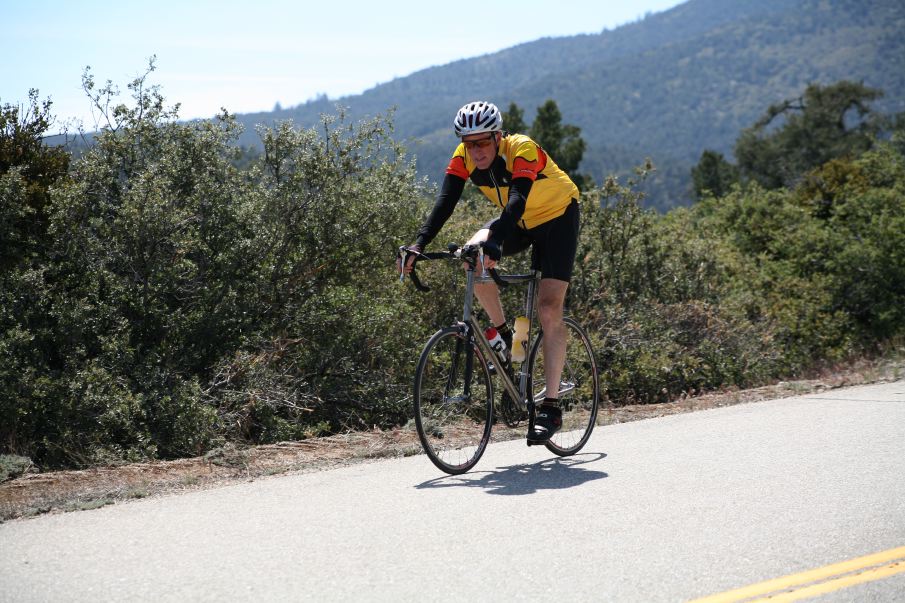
(514, 119)
(713, 174)
(561, 141)
(897, 135)
(29, 170)
(825, 123)
(23, 219)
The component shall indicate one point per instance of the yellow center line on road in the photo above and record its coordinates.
(818, 581)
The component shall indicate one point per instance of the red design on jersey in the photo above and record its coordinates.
(522, 168)
(456, 167)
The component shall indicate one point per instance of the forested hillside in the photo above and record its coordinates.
(666, 87)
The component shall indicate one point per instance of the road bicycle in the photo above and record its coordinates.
(454, 390)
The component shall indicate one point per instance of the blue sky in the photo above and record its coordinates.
(247, 56)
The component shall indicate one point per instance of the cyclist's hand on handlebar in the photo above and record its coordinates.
(406, 257)
(492, 253)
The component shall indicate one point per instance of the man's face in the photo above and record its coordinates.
(482, 148)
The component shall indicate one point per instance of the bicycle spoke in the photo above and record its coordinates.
(578, 389)
(453, 402)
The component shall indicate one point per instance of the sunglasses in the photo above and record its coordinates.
(482, 143)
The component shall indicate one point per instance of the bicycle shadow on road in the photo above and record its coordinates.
(552, 474)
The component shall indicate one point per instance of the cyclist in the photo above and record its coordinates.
(539, 204)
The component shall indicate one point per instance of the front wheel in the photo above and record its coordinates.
(579, 390)
(453, 401)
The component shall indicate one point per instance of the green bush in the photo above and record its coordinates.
(752, 286)
(157, 300)
(12, 466)
(166, 269)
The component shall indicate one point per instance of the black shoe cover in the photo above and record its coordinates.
(547, 422)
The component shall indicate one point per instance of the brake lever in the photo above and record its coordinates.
(402, 253)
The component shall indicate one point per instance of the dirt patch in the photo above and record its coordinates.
(35, 494)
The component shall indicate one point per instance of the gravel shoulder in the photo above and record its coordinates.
(34, 494)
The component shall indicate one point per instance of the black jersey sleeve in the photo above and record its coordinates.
(515, 208)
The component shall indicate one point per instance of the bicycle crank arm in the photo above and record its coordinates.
(564, 388)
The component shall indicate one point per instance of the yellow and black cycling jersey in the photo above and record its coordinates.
(519, 157)
(523, 181)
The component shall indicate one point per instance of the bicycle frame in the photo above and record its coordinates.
(519, 392)
(454, 422)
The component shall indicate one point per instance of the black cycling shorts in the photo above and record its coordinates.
(553, 244)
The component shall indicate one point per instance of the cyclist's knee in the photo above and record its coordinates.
(550, 312)
(550, 302)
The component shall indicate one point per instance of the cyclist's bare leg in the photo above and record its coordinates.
(489, 297)
(550, 301)
(487, 293)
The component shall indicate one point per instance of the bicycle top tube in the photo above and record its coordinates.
(509, 278)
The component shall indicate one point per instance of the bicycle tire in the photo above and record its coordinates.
(579, 389)
(453, 421)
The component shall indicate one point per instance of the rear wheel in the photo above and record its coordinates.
(579, 391)
(453, 401)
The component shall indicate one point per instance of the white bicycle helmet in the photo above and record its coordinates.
(478, 117)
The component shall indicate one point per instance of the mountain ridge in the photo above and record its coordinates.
(666, 87)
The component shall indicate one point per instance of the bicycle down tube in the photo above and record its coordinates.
(518, 393)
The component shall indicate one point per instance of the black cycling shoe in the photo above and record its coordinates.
(546, 423)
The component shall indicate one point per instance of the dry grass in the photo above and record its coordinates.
(34, 494)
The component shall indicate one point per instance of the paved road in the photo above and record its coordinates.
(667, 509)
